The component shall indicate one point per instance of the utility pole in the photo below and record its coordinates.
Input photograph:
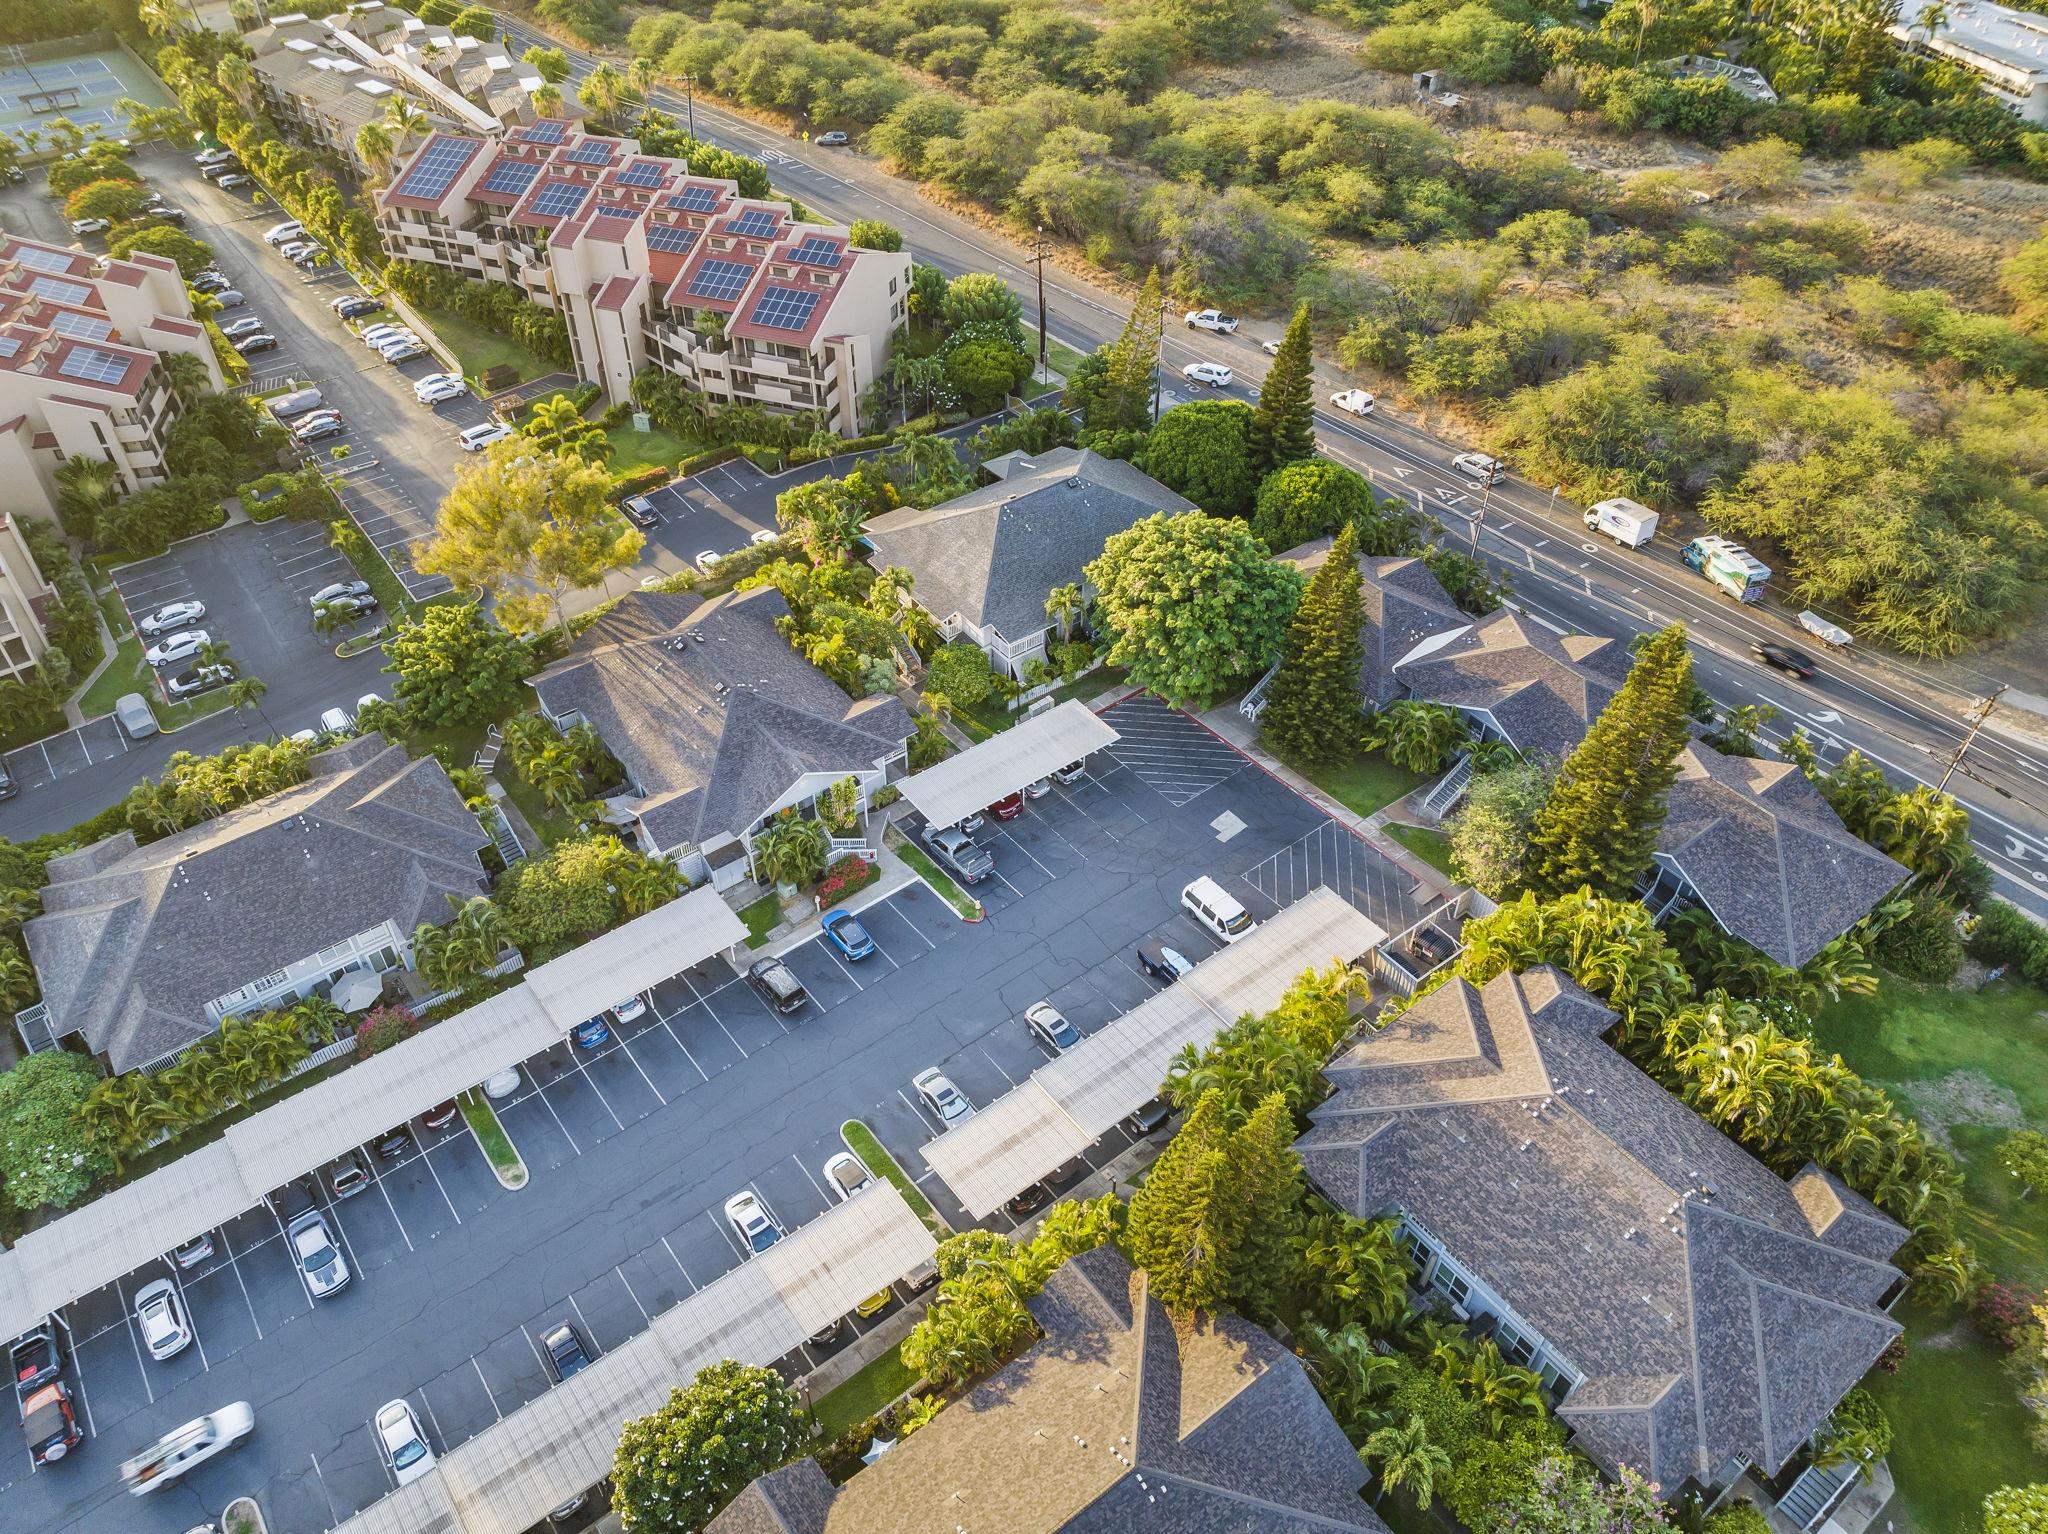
(1159, 360)
(690, 104)
(1038, 254)
(1983, 713)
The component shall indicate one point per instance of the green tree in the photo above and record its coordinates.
(1405, 1459)
(961, 671)
(192, 256)
(1315, 497)
(984, 371)
(2017, 1510)
(454, 665)
(1599, 825)
(2023, 1155)
(1203, 450)
(1115, 393)
(49, 1153)
(982, 298)
(792, 851)
(1351, 1271)
(570, 892)
(1192, 603)
(1283, 428)
(1218, 29)
(110, 198)
(826, 515)
(1567, 1496)
(1313, 712)
(873, 234)
(557, 424)
(551, 64)
(1857, 1429)
(1490, 832)
(1422, 737)
(679, 1466)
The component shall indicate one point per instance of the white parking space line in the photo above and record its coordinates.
(86, 1402)
(924, 1115)
(629, 1295)
(377, 1177)
(574, 1055)
(814, 1181)
(537, 1358)
(1006, 836)
(992, 1060)
(725, 1228)
(759, 1000)
(140, 1368)
(334, 1218)
(235, 1264)
(668, 1028)
(592, 1335)
(543, 1096)
(672, 1257)
(626, 1048)
(831, 954)
(443, 1187)
(487, 1387)
(434, 1421)
(1006, 884)
(914, 927)
(198, 1341)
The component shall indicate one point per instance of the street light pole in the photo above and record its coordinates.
(1038, 253)
(1983, 713)
(690, 104)
(1159, 361)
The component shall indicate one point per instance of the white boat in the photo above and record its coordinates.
(183, 1447)
(1824, 631)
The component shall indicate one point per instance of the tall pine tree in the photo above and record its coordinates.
(1599, 826)
(1121, 397)
(1313, 715)
(1283, 427)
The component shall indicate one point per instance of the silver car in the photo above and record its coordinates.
(944, 1098)
(161, 1317)
(312, 1244)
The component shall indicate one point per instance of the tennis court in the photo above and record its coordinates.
(81, 89)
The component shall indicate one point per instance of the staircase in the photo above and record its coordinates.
(1817, 1492)
(1254, 702)
(1449, 789)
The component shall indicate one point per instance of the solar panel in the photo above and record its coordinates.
(93, 366)
(9, 345)
(669, 238)
(696, 199)
(817, 250)
(784, 308)
(82, 327)
(755, 224)
(558, 199)
(617, 210)
(512, 178)
(546, 133)
(721, 280)
(58, 291)
(36, 259)
(641, 173)
(592, 151)
(437, 167)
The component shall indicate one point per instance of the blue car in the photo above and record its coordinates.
(592, 1034)
(845, 933)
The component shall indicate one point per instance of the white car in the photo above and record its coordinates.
(1212, 319)
(1488, 471)
(437, 393)
(756, 1230)
(193, 1252)
(390, 344)
(90, 226)
(284, 233)
(846, 1175)
(178, 647)
(248, 325)
(1214, 374)
(944, 1098)
(709, 560)
(335, 721)
(182, 1448)
(376, 335)
(160, 1317)
(765, 535)
(405, 1447)
(631, 1009)
(430, 380)
(339, 589)
(174, 615)
(477, 438)
(213, 157)
(1270, 348)
(367, 699)
(291, 250)
(232, 180)
(1358, 402)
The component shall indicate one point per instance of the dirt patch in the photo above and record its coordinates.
(1961, 1097)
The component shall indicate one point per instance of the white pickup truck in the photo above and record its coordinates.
(1211, 319)
(183, 1447)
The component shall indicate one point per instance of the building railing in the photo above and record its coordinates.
(33, 1024)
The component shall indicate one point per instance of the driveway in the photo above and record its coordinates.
(634, 1146)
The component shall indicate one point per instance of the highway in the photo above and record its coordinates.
(1559, 574)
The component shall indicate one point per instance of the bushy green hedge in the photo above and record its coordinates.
(495, 305)
(2004, 934)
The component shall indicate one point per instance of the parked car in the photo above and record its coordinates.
(1148, 1119)
(1164, 963)
(750, 1219)
(964, 858)
(778, 985)
(1034, 1198)
(404, 1446)
(1009, 807)
(640, 511)
(477, 438)
(313, 418)
(320, 430)
(230, 298)
(36, 1357)
(631, 1010)
(441, 1115)
(566, 1354)
(356, 304)
(1214, 374)
(233, 180)
(132, 713)
(347, 1175)
(320, 1260)
(395, 1144)
(1073, 772)
(340, 589)
(178, 647)
(193, 1252)
(832, 138)
(172, 615)
(1780, 657)
(1045, 1024)
(341, 302)
(846, 1175)
(352, 607)
(708, 560)
(592, 1032)
(50, 1422)
(247, 325)
(335, 721)
(291, 248)
(1358, 402)
(161, 1318)
(298, 402)
(440, 392)
(216, 156)
(404, 351)
(1038, 788)
(261, 341)
(875, 1304)
(210, 281)
(942, 1096)
(168, 214)
(84, 226)
(1270, 348)
(310, 257)
(1211, 319)
(375, 335)
(8, 787)
(843, 930)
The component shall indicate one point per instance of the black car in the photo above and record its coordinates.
(640, 511)
(1149, 1119)
(295, 1198)
(778, 985)
(1781, 657)
(1030, 1201)
(393, 1144)
(35, 1357)
(565, 1351)
(356, 306)
(8, 787)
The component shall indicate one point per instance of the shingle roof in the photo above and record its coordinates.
(1122, 1419)
(1542, 691)
(1713, 1308)
(137, 940)
(1404, 607)
(1768, 855)
(710, 711)
(993, 554)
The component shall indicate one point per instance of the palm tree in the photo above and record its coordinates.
(403, 119)
(527, 736)
(642, 76)
(467, 947)
(160, 18)
(86, 487)
(547, 100)
(603, 91)
(153, 807)
(213, 653)
(277, 1043)
(237, 79)
(245, 693)
(125, 1112)
(1063, 605)
(318, 1019)
(791, 852)
(646, 883)
(918, 1410)
(1407, 1459)
(18, 905)
(374, 147)
(556, 776)
(186, 374)
(1501, 1389)
(236, 1064)
(191, 1084)
(17, 979)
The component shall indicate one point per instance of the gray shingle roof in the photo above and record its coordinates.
(994, 554)
(1714, 1308)
(135, 942)
(1768, 855)
(1543, 691)
(711, 712)
(1404, 606)
(1121, 1419)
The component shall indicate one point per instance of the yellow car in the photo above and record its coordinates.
(875, 1304)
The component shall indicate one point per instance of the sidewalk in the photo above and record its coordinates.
(896, 875)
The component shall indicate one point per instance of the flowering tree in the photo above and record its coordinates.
(679, 1466)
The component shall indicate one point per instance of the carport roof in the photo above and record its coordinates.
(1071, 1102)
(980, 775)
(635, 957)
(507, 1478)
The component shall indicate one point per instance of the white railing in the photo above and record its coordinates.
(1254, 702)
(1818, 1492)
(1450, 788)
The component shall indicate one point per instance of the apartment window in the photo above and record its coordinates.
(892, 287)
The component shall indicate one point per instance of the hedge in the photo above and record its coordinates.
(706, 460)
(639, 481)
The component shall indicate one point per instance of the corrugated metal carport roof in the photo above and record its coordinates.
(1024, 753)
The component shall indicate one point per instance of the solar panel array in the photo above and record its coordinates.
(512, 178)
(592, 151)
(817, 250)
(784, 308)
(641, 173)
(36, 259)
(617, 210)
(437, 167)
(91, 365)
(696, 199)
(82, 327)
(559, 199)
(59, 291)
(669, 238)
(546, 133)
(721, 280)
(755, 224)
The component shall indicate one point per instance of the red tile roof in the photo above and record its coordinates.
(617, 292)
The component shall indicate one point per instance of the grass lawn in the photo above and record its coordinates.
(937, 877)
(478, 350)
(1912, 1036)
(862, 1142)
(455, 744)
(761, 918)
(990, 717)
(482, 1119)
(1366, 784)
(633, 450)
(1432, 846)
(865, 1393)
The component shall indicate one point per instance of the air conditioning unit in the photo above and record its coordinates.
(1460, 1313)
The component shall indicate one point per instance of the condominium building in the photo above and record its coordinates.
(2006, 49)
(24, 594)
(325, 80)
(654, 267)
(81, 339)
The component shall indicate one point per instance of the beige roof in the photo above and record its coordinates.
(1071, 1102)
(632, 958)
(980, 775)
(505, 1479)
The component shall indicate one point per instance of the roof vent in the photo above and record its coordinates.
(1074, 483)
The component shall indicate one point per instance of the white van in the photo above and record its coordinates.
(1629, 523)
(1211, 905)
(277, 234)
(477, 438)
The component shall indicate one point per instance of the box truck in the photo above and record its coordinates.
(1629, 523)
(1730, 566)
